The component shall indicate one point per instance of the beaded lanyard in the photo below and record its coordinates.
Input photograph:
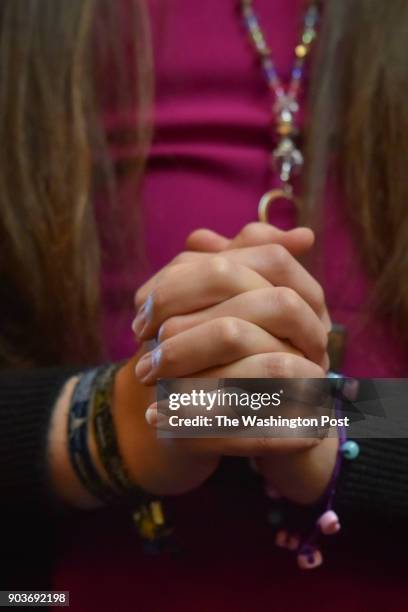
(287, 158)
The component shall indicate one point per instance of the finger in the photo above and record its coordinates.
(187, 288)
(269, 365)
(298, 241)
(233, 446)
(279, 311)
(278, 266)
(214, 343)
(207, 241)
(182, 258)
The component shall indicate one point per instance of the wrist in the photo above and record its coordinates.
(171, 468)
(64, 476)
(135, 437)
(65, 484)
(302, 477)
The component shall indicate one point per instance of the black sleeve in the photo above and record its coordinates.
(29, 515)
(27, 398)
(376, 483)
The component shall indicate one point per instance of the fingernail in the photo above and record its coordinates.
(139, 322)
(151, 415)
(147, 364)
(143, 317)
(144, 366)
(160, 333)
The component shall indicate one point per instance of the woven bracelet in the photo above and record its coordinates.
(106, 440)
(77, 425)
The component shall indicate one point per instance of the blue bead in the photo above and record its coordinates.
(333, 375)
(350, 450)
(297, 73)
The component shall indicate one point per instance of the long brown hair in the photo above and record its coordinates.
(52, 56)
(49, 266)
(359, 120)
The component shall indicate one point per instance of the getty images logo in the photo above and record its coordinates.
(224, 398)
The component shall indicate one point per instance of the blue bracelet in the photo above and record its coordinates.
(80, 456)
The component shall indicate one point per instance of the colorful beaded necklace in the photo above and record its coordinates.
(287, 158)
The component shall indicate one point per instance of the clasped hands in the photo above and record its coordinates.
(240, 308)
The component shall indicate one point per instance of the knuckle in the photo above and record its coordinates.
(288, 301)
(280, 256)
(220, 268)
(279, 365)
(228, 331)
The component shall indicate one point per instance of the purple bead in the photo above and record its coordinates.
(253, 22)
(297, 74)
(310, 559)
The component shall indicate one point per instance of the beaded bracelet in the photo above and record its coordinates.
(308, 554)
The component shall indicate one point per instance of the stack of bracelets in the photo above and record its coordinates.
(324, 519)
(91, 412)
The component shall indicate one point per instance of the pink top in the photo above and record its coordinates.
(209, 165)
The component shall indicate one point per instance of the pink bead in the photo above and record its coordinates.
(310, 560)
(329, 523)
(286, 540)
(293, 543)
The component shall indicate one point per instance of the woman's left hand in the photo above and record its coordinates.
(302, 476)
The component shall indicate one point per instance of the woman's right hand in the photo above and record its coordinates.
(228, 326)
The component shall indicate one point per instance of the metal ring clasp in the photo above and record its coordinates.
(270, 197)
